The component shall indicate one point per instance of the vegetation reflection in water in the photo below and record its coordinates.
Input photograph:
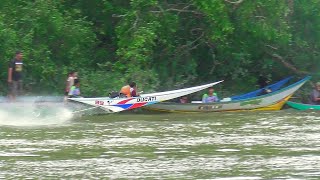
(282, 145)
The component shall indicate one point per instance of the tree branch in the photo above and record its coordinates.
(119, 16)
(134, 26)
(280, 59)
(272, 47)
(234, 2)
(261, 17)
(191, 44)
(178, 10)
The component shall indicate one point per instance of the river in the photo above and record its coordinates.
(246, 145)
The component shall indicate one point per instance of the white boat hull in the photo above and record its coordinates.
(121, 104)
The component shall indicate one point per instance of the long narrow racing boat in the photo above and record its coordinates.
(271, 101)
(301, 106)
(113, 105)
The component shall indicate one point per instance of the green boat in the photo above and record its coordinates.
(301, 106)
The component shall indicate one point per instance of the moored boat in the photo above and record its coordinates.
(271, 101)
(301, 106)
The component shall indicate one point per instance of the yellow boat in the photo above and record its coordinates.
(268, 102)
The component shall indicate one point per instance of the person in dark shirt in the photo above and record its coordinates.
(133, 89)
(15, 76)
(263, 83)
(183, 100)
(315, 95)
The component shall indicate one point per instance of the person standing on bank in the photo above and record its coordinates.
(15, 76)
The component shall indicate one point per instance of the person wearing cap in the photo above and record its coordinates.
(315, 95)
(15, 76)
(210, 97)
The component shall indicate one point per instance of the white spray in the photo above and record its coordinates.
(29, 114)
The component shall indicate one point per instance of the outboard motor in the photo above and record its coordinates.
(114, 94)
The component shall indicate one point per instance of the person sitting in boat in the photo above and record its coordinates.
(263, 83)
(183, 100)
(75, 89)
(129, 90)
(210, 97)
(315, 95)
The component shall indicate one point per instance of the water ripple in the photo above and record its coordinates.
(277, 145)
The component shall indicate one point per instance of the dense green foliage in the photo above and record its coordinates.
(159, 44)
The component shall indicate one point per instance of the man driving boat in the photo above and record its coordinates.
(129, 90)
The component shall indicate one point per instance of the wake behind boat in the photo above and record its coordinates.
(271, 101)
(113, 105)
(42, 107)
(26, 110)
